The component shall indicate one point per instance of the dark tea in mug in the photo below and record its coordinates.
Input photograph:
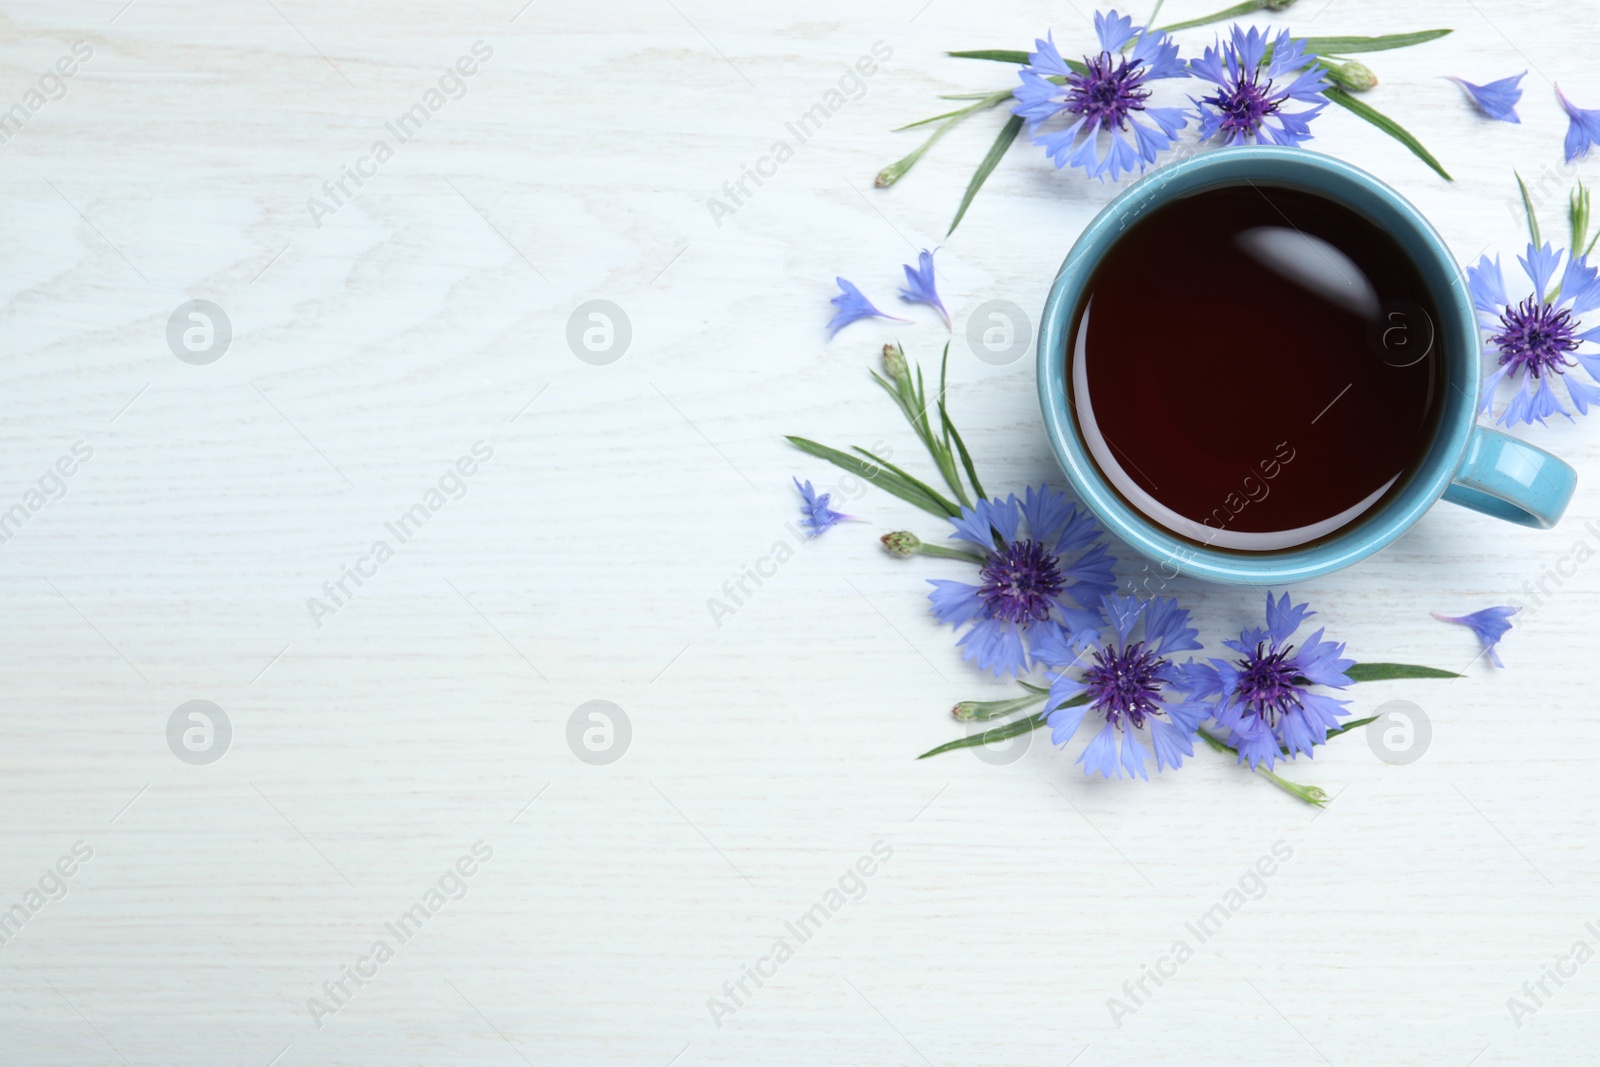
(1254, 366)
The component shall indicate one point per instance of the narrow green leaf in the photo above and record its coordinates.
(1010, 729)
(876, 474)
(1343, 46)
(1387, 125)
(930, 491)
(1309, 793)
(1383, 672)
(1011, 55)
(984, 102)
(1236, 11)
(984, 710)
(999, 733)
(966, 457)
(944, 374)
(1346, 727)
(1008, 133)
(1578, 215)
(1527, 210)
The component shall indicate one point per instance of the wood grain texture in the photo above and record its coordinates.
(769, 752)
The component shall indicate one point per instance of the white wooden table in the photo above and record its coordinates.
(377, 339)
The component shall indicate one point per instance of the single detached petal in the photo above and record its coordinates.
(850, 305)
(1498, 99)
(919, 287)
(818, 515)
(1490, 624)
(1583, 126)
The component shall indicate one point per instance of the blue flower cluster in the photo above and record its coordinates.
(1046, 600)
(1255, 80)
(1094, 113)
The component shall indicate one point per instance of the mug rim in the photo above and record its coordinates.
(1337, 181)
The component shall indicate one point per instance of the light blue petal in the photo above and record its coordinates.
(1113, 30)
(1167, 629)
(920, 287)
(1497, 99)
(1284, 618)
(1171, 743)
(1490, 624)
(1583, 393)
(851, 306)
(1583, 127)
(1488, 285)
(955, 602)
(1046, 511)
(1133, 756)
(1540, 265)
(1099, 756)
(1123, 613)
(1256, 746)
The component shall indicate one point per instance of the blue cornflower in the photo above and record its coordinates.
(1108, 96)
(919, 287)
(818, 515)
(1498, 99)
(1583, 126)
(1537, 339)
(1247, 96)
(1262, 698)
(1029, 592)
(1490, 625)
(852, 306)
(1131, 686)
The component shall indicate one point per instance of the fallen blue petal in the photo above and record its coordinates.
(1498, 99)
(1490, 625)
(1583, 126)
(852, 306)
(818, 515)
(919, 288)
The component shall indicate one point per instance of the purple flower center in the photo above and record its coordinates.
(1269, 684)
(1536, 337)
(1106, 92)
(1020, 582)
(1125, 686)
(1246, 104)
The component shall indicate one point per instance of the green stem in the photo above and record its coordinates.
(941, 552)
(1308, 793)
(1221, 16)
(897, 170)
(983, 710)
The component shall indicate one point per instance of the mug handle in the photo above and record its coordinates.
(1512, 480)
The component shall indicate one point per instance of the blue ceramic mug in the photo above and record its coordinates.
(1466, 464)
